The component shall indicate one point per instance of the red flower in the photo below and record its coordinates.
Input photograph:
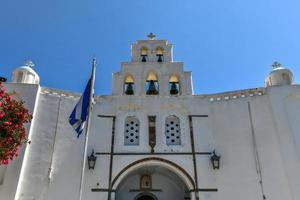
(5, 162)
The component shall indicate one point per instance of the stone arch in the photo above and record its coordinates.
(154, 161)
(128, 78)
(159, 50)
(152, 75)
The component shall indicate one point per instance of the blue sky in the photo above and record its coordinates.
(228, 44)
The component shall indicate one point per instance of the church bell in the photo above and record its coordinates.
(174, 89)
(152, 89)
(129, 89)
(159, 58)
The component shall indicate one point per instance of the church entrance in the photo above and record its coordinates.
(145, 197)
(152, 183)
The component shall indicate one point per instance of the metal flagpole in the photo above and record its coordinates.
(87, 127)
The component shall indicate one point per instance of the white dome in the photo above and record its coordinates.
(279, 76)
(25, 74)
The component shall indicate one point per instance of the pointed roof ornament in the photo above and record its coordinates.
(151, 36)
(94, 57)
(276, 65)
(29, 63)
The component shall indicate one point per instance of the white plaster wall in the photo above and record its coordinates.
(232, 140)
(285, 129)
(11, 173)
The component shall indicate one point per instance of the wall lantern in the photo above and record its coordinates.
(3, 79)
(92, 160)
(215, 160)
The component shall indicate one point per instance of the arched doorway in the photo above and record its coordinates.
(145, 196)
(152, 182)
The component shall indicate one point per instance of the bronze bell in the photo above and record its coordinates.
(160, 58)
(3, 79)
(129, 89)
(144, 59)
(174, 89)
(152, 89)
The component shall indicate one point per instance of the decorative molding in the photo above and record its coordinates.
(155, 153)
(236, 95)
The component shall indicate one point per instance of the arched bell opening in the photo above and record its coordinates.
(129, 85)
(159, 54)
(144, 54)
(174, 85)
(152, 87)
(152, 180)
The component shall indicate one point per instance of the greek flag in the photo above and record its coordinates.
(79, 115)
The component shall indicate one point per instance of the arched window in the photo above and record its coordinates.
(129, 85)
(132, 130)
(172, 130)
(152, 84)
(174, 85)
(159, 54)
(144, 54)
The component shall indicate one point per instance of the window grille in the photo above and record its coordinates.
(172, 131)
(132, 129)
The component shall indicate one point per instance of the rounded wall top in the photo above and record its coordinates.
(279, 76)
(25, 74)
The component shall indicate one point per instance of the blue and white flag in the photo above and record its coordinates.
(79, 115)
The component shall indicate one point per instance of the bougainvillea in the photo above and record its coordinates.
(13, 115)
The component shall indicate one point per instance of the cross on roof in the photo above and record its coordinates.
(29, 63)
(151, 36)
(276, 65)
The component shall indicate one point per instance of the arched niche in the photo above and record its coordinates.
(174, 86)
(129, 85)
(152, 86)
(144, 54)
(159, 54)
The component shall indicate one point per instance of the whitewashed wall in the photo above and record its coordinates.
(11, 173)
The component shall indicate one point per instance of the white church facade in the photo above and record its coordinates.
(154, 139)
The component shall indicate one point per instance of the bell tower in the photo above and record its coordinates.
(25, 74)
(152, 71)
(152, 50)
(279, 76)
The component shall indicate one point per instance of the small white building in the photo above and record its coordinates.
(154, 138)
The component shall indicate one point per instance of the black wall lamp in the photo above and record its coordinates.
(215, 160)
(92, 160)
(3, 79)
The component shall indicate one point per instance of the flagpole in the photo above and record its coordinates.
(91, 99)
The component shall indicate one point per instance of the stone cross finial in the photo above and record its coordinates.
(29, 63)
(276, 65)
(151, 36)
